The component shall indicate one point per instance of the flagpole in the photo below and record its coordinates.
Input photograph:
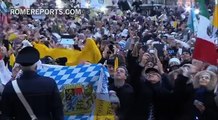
(215, 24)
(216, 4)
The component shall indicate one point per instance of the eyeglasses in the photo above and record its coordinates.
(205, 77)
(150, 64)
(186, 53)
(151, 74)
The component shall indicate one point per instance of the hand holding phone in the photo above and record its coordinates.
(152, 51)
(199, 105)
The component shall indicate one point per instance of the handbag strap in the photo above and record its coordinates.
(23, 100)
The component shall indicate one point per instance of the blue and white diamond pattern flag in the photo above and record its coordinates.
(79, 86)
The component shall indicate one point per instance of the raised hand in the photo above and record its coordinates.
(145, 58)
(105, 52)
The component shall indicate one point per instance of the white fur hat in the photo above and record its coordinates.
(174, 61)
(213, 81)
(149, 42)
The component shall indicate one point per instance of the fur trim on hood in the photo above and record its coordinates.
(213, 81)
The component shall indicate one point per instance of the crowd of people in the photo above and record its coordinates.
(157, 78)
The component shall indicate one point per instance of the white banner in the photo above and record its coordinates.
(5, 74)
(96, 4)
(25, 3)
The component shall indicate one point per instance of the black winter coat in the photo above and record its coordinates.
(148, 94)
(211, 109)
(182, 99)
(40, 92)
(126, 97)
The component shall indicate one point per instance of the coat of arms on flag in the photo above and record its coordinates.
(77, 99)
(80, 87)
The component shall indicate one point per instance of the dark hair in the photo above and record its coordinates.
(46, 43)
(111, 48)
(61, 61)
(76, 47)
(48, 60)
(144, 48)
(124, 67)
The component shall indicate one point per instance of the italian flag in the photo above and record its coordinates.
(205, 48)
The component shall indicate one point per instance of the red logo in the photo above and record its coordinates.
(78, 91)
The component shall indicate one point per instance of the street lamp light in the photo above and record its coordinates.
(188, 8)
(59, 4)
(197, 11)
(87, 5)
(103, 9)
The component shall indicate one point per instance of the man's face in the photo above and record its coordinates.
(186, 56)
(110, 70)
(192, 69)
(17, 44)
(3, 50)
(120, 74)
(198, 64)
(141, 52)
(153, 77)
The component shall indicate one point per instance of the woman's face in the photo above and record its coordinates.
(204, 79)
(198, 64)
(141, 52)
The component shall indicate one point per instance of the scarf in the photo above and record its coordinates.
(199, 94)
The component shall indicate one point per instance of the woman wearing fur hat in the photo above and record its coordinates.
(204, 83)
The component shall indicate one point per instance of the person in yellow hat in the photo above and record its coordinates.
(12, 37)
